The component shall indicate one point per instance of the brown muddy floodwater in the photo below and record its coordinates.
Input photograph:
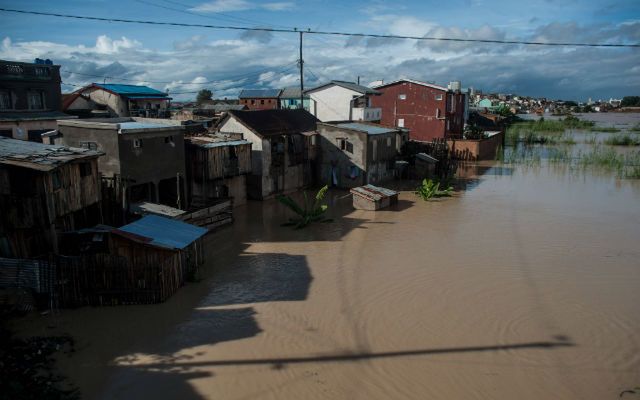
(524, 286)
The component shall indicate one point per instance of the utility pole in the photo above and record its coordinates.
(358, 79)
(301, 75)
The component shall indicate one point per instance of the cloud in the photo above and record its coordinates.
(259, 36)
(217, 6)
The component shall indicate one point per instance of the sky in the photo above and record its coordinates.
(182, 60)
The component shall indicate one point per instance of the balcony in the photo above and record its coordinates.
(366, 114)
(150, 113)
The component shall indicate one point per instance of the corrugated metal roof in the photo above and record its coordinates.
(146, 207)
(222, 107)
(163, 232)
(149, 97)
(124, 126)
(259, 93)
(129, 89)
(426, 157)
(292, 93)
(431, 85)
(368, 129)
(39, 156)
(348, 85)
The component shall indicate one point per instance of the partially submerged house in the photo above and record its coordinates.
(144, 159)
(217, 168)
(429, 111)
(283, 149)
(355, 153)
(119, 101)
(44, 190)
(343, 101)
(260, 99)
(29, 99)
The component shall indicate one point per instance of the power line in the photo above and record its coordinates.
(309, 31)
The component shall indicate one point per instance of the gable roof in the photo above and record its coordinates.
(161, 232)
(39, 156)
(369, 129)
(347, 85)
(130, 90)
(275, 122)
(292, 93)
(415, 82)
(259, 93)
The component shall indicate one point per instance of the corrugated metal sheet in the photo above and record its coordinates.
(38, 155)
(129, 89)
(259, 93)
(347, 85)
(125, 126)
(162, 232)
(373, 193)
(367, 128)
(26, 274)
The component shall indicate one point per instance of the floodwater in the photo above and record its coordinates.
(525, 285)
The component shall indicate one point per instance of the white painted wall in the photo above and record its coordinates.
(332, 103)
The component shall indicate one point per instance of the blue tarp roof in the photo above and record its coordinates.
(127, 90)
(164, 232)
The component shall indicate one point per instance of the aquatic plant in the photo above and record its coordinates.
(593, 139)
(307, 212)
(635, 128)
(429, 189)
(622, 140)
(605, 129)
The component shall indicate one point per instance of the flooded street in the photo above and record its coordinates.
(523, 286)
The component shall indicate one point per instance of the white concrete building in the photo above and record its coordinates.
(343, 101)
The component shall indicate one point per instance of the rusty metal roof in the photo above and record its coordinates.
(39, 156)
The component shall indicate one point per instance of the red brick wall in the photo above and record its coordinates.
(419, 110)
(260, 104)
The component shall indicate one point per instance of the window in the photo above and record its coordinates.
(233, 153)
(437, 113)
(401, 122)
(314, 140)
(35, 99)
(137, 143)
(439, 97)
(168, 139)
(261, 101)
(448, 124)
(402, 96)
(85, 169)
(253, 101)
(374, 153)
(388, 142)
(43, 71)
(6, 133)
(89, 145)
(56, 180)
(349, 147)
(6, 100)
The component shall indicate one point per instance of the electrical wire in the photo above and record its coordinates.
(316, 32)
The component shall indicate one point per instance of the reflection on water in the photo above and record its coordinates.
(524, 285)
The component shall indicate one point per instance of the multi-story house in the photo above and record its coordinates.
(429, 111)
(118, 101)
(290, 99)
(343, 101)
(260, 99)
(283, 149)
(29, 99)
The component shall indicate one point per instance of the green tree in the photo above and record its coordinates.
(630, 101)
(204, 95)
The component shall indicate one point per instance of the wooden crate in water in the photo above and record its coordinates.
(369, 197)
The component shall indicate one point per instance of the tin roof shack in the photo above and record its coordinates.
(217, 168)
(119, 100)
(372, 198)
(29, 99)
(343, 101)
(283, 148)
(143, 160)
(260, 99)
(354, 153)
(144, 262)
(429, 111)
(44, 190)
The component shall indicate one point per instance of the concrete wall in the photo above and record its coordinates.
(116, 105)
(20, 78)
(332, 103)
(361, 166)
(476, 150)
(20, 129)
(106, 140)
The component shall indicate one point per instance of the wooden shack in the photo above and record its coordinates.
(217, 168)
(372, 198)
(44, 190)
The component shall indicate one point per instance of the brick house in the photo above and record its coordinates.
(429, 111)
(260, 99)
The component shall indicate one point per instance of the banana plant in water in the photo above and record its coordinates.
(307, 212)
(430, 189)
